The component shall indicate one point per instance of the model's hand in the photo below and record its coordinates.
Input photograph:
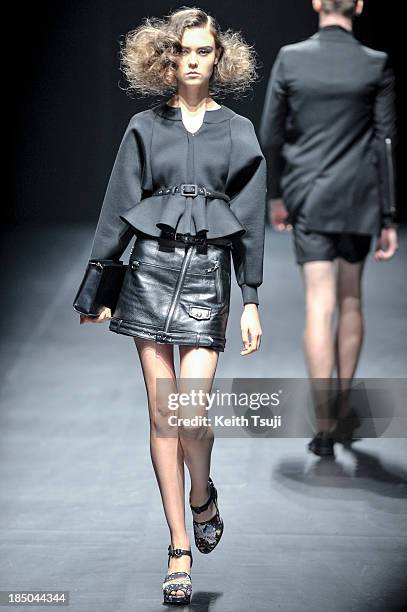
(251, 329)
(386, 244)
(105, 313)
(278, 215)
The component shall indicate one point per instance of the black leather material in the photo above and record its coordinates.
(188, 239)
(192, 190)
(100, 286)
(175, 293)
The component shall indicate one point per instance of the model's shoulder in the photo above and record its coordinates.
(224, 111)
(375, 59)
(143, 117)
(244, 135)
(240, 121)
(292, 50)
(375, 54)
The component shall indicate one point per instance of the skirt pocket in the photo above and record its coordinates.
(203, 287)
(146, 293)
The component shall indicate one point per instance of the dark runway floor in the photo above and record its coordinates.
(80, 507)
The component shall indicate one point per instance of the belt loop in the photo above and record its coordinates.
(202, 247)
(197, 339)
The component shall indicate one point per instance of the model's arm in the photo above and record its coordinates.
(272, 126)
(385, 133)
(385, 136)
(247, 187)
(124, 190)
(112, 233)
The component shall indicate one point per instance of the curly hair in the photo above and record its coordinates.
(149, 52)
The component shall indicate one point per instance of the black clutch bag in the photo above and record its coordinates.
(100, 286)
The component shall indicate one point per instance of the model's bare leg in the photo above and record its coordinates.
(349, 334)
(197, 442)
(166, 452)
(320, 302)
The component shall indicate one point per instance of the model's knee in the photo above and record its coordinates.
(320, 307)
(160, 413)
(192, 430)
(350, 303)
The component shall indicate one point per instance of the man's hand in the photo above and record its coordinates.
(250, 325)
(278, 215)
(386, 244)
(104, 314)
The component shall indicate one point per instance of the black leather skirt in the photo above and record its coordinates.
(177, 293)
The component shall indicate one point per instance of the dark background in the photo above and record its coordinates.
(67, 113)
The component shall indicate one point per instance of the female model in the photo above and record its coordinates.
(189, 182)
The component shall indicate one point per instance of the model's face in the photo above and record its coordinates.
(197, 57)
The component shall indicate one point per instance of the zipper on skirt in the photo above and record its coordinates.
(178, 287)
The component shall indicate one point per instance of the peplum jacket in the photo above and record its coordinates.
(157, 151)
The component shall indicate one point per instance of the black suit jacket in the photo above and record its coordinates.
(328, 132)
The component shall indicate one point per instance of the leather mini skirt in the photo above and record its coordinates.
(176, 292)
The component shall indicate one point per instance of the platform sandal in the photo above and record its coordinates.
(208, 533)
(177, 581)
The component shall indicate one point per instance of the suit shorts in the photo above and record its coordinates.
(310, 245)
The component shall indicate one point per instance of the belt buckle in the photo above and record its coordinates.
(189, 189)
(185, 238)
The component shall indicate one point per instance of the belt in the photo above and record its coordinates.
(191, 190)
(171, 237)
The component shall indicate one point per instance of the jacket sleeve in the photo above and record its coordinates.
(246, 185)
(385, 139)
(272, 125)
(112, 234)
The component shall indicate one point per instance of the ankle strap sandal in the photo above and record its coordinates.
(208, 533)
(177, 581)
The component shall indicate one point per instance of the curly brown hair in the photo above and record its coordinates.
(148, 55)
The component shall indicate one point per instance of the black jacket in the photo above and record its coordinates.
(223, 155)
(328, 130)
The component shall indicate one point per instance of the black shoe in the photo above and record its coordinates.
(208, 533)
(344, 430)
(177, 581)
(322, 445)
